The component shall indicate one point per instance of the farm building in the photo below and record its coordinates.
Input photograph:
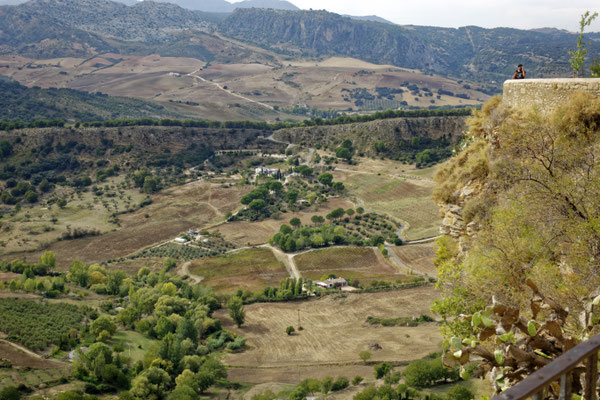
(332, 283)
(266, 171)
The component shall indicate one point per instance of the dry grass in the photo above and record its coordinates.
(333, 335)
(364, 264)
(37, 225)
(251, 269)
(172, 211)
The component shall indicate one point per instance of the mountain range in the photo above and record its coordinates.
(216, 6)
(58, 28)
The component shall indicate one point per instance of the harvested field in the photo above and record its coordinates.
(251, 269)
(243, 233)
(333, 335)
(364, 264)
(418, 256)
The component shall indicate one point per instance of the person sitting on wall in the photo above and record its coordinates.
(519, 73)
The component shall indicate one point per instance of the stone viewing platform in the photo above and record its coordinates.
(547, 94)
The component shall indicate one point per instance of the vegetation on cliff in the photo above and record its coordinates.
(528, 187)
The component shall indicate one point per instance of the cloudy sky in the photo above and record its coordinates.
(525, 14)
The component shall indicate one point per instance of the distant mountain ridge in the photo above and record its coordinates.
(485, 55)
(59, 28)
(216, 6)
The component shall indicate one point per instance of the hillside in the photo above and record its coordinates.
(145, 21)
(398, 138)
(20, 103)
(468, 52)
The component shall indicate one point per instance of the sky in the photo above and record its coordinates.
(522, 14)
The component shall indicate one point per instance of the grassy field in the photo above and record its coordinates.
(333, 334)
(134, 343)
(251, 269)
(364, 264)
(402, 199)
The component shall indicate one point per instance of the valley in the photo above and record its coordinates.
(208, 200)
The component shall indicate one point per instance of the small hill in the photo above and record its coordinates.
(373, 18)
(20, 103)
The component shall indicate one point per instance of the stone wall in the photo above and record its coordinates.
(547, 94)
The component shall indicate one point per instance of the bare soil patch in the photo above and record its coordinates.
(21, 359)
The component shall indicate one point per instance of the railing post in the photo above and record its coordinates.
(591, 377)
(565, 386)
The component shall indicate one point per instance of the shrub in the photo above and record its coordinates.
(289, 330)
(357, 380)
(342, 383)
(426, 373)
(382, 370)
(459, 392)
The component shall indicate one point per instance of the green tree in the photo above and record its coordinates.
(48, 259)
(257, 205)
(382, 370)
(289, 330)
(295, 222)
(10, 393)
(153, 383)
(325, 178)
(31, 196)
(236, 310)
(344, 152)
(291, 196)
(578, 56)
(317, 219)
(365, 355)
(103, 323)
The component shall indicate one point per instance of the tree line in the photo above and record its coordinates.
(262, 125)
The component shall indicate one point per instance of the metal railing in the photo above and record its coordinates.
(560, 369)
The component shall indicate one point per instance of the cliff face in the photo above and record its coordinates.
(392, 132)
